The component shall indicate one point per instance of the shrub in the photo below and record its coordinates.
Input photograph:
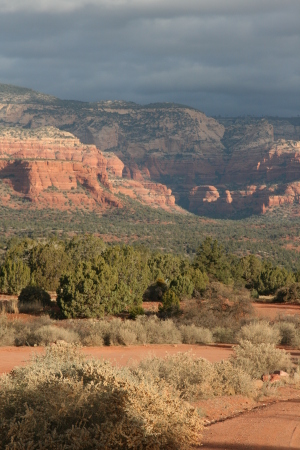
(136, 311)
(196, 378)
(289, 335)
(156, 290)
(221, 306)
(195, 335)
(272, 278)
(224, 335)
(25, 333)
(62, 401)
(259, 333)
(288, 294)
(256, 359)
(94, 290)
(143, 330)
(7, 334)
(159, 331)
(49, 334)
(79, 295)
(232, 380)
(30, 307)
(90, 332)
(32, 294)
(113, 332)
(127, 337)
(199, 279)
(9, 306)
(191, 377)
(254, 294)
(152, 330)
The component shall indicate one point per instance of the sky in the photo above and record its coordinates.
(223, 57)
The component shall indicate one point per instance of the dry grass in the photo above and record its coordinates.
(9, 306)
(62, 402)
(34, 307)
(7, 333)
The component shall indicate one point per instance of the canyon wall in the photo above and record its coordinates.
(46, 167)
(160, 154)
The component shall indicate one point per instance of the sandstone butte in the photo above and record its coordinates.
(161, 154)
(47, 167)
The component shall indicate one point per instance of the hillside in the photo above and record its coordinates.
(226, 167)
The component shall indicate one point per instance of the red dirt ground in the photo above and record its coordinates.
(267, 310)
(276, 426)
(270, 311)
(11, 357)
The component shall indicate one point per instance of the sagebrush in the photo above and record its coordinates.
(62, 401)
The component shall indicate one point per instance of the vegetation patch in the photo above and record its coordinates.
(62, 401)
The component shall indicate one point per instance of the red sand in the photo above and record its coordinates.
(275, 427)
(11, 357)
(271, 310)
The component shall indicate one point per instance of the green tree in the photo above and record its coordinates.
(272, 278)
(250, 268)
(211, 258)
(14, 276)
(31, 294)
(170, 303)
(199, 279)
(131, 269)
(156, 290)
(80, 294)
(182, 286)
(166, 266)
(85, 248)
(109, 286)
(48, 262)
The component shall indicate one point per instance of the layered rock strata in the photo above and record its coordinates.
(52, 168)
(213, 166)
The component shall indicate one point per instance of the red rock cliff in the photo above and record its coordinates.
(51, 168)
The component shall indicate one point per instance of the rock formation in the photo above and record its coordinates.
(218, 167)
(52, 168)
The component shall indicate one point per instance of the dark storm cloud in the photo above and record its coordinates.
(224, 57)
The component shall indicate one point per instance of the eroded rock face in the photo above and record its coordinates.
(213, 167)
(51, 168)
(252, 200)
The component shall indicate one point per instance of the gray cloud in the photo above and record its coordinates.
(229, 58)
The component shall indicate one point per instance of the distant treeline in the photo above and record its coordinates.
(92, 278)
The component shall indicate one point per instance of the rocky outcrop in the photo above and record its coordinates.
(153, 194)
(114, 165)
(220, 202)
(51, 168)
